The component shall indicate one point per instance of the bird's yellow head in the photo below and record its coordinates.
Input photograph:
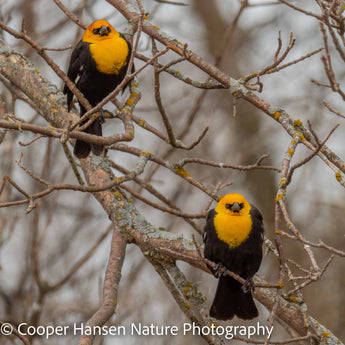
(99, 30)
(233, 205)
(233, 222)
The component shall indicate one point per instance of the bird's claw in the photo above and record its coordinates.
(248, 285)
(218, 270)
(103, 114)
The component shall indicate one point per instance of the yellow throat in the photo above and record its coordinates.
(233, 227)
(110, 55)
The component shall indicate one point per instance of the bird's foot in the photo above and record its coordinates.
(248, 285)
(218, 270)
(103, 114)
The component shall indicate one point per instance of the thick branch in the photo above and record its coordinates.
(111, 284)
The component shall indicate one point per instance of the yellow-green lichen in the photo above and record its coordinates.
(293, 299)
(142, 122)
(182, 172)
(149, 154)
(280, 284)
(279, 196)
(276, 115)
(130, 101)
(186, 305)
(338, 176)
(298, 122)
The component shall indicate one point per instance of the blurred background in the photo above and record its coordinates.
(65, 225)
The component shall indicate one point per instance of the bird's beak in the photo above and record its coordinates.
(236, 207)
(103, 31)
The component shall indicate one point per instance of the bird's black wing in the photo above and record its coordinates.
(209, 227)
(213, 247)
(258, 225)
(255, 213)
(79, 58)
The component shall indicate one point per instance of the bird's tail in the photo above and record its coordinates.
(230, 300)
(82, 148)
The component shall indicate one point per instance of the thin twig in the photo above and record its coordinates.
(327, 105)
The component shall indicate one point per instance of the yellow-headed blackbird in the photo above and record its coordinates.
(98, 64)
(233, 237)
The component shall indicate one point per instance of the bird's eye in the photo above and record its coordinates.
(95, 31)
(228, 206)
(108, 29)
(241, 205)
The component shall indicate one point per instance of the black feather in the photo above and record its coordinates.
(244, 260)
(95, 86)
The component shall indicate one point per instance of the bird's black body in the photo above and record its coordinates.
(244, 260)
(94, 85)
